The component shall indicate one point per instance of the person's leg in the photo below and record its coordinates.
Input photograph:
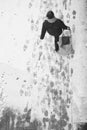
(56, 47)
(56, 44)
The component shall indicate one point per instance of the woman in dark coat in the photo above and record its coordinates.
(54, 27)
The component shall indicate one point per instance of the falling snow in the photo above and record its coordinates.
(48, 87)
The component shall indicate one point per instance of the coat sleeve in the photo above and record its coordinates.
(43, 31)
(64, 26)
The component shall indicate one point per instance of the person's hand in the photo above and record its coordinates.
(68, 28)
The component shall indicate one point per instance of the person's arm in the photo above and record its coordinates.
(64, 26)
(43, 31)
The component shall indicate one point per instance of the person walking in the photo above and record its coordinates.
(54, 27)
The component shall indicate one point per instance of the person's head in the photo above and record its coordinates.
(50, 14)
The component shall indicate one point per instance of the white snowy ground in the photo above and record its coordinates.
(17, 44)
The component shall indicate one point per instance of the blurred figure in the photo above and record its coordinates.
(54, 27)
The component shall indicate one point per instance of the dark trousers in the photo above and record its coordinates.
(56, 44)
